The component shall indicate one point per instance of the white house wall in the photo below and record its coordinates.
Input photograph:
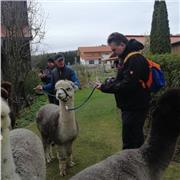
(105, 55)
(82, 61)
(96, 61)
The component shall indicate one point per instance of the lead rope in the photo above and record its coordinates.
(49, 94)
(75, 108)
(85, 101)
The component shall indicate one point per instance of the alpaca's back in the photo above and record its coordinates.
(126, 165)
(28, 154)
(47, 112)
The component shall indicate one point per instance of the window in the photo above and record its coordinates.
(91, 62)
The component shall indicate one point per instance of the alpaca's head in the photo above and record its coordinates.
(5, 120)
(65, 90)
(166, 117)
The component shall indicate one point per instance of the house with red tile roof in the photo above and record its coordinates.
(93, 54)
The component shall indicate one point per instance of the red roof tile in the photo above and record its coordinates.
(102, 48)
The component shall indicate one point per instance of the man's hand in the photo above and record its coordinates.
(41, 75)
(39, 87)
(98, 85)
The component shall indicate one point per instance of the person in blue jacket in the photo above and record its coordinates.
(60, 72)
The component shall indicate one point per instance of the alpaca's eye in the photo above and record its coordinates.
(68, 89)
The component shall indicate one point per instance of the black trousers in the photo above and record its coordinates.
(132, 128)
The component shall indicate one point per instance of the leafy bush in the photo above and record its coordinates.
(28, 114)
(31, 81)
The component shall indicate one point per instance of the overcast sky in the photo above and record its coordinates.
(74, 23)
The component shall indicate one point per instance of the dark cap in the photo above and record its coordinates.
(59, 57)
(50, 60)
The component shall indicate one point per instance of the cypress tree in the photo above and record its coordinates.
(154, 28)
(160, 33)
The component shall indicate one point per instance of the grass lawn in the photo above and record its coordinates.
(99, 137)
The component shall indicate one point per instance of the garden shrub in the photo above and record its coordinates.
(31, 81)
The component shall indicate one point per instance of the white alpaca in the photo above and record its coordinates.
(153, 157)
(58, 125)
(22, 156)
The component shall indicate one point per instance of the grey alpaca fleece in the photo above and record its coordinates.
(153, 157)
(58, 126)
(28, 154)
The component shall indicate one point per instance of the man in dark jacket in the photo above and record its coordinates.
(46, 76)
(60, 72)
(131, 97)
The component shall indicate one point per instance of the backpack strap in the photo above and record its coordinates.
(143, 83)
(131, 54)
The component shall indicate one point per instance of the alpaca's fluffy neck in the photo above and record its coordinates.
(7, 162)
(67, 117)
(158, 151)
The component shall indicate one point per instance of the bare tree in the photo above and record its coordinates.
(21, 23)
(37, 21)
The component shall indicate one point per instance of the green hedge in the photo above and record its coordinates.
(31, 81)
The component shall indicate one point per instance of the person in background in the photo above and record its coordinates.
(60, 72)
(131, 97)
(46, 76)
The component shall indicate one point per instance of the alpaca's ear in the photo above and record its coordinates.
(75, 87)
(56, 85)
